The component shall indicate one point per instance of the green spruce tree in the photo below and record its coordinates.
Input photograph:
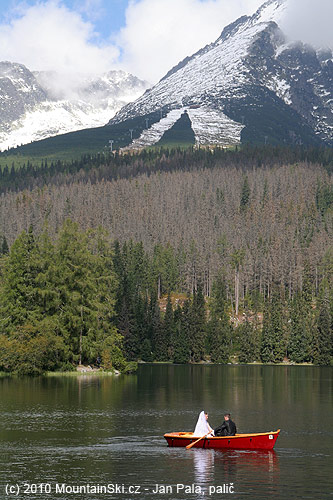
(160, 344)
(324, 337)
(248, 342)
(19, 289)
(168, 327)
(219, 329)
(245, 194)
(300, 330)
(4, 246)
(272, 341)
(198, 325)
(181, 351)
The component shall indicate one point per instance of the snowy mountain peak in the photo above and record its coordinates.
(18, 76)
(271, 90)
(18, 89)
(36, 105)
(12, 70)
(273, 10)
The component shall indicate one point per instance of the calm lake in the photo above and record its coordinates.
(58, 432)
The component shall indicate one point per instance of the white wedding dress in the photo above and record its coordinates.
(202, 426)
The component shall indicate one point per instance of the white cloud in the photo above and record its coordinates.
(157, 35)
(310, 21)
(49, 36)
(160, 33)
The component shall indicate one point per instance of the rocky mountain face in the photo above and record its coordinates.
(34, 106)
(250, 85)
(18, 90)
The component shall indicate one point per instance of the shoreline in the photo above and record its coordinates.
(64, 374)
(209, 363)
(102, 373)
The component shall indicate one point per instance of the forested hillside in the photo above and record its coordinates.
(240, 242)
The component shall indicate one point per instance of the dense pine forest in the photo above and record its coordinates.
(181, 255)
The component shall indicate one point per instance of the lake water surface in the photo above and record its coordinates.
(100, 431)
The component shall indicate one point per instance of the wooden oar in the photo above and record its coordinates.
(197, 441)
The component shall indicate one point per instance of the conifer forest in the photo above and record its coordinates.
(170, 255)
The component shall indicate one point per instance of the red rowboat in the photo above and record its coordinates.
(260, 441)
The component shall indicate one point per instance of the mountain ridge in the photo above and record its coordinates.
(250, 65)
(252, 85)
(32, 108)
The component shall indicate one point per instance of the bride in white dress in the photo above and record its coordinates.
(203, 426)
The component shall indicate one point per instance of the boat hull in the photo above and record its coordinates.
(259, 441)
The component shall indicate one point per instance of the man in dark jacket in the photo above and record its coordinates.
(228, 428)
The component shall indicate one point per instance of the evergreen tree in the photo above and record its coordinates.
(272, 341)
(323, 355)
(160, 342)
(300, 336)
(106, 338)
(150, 312)
(118, 265)
(139, 332)
(4, 247)
(164, 269)
(19, 290)
(125, 306)
(198, 325)
(168, 327)
(137, 267)
(125, 320)
(77, 289)
(267, 337)
(146, 351)
(245, 194)
(248, 342)
(181, 351)
(32, 344)
(219, 329)
(278, 329)
(237, 259)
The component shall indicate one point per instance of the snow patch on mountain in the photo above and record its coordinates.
(282, 48)
(53, 118)
(281, 87)
(154, 133)
(211, 126)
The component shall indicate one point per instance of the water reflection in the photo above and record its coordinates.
(228, 461)
(203, 466)
(214, 467)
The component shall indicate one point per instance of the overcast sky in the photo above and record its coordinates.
(145, 37)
